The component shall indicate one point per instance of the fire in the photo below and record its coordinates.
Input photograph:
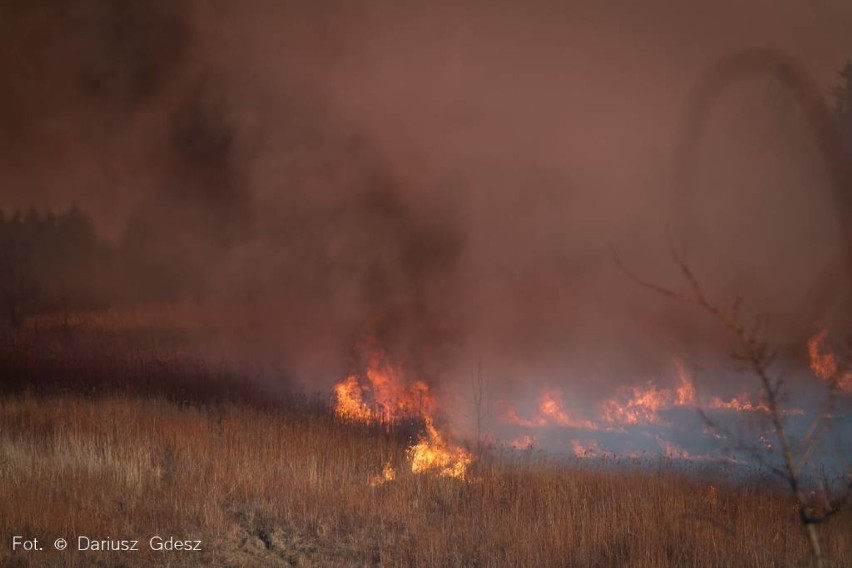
(739, 403)
(552, 407)
(389, 398)
(350, 402)
(645, 404)
(510, 416)
(433, 454)
(522, 442)
(641, 407)
(671, 450)
(631, 406)
(588, 449)
(824, 364)
(551, 412)
(382, 396)
(388, 474)
(686, 390)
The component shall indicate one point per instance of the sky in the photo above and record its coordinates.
(451, 178)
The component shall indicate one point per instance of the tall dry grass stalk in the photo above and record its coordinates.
(266, 487)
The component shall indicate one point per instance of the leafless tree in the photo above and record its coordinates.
(481, 404)
(752, 348)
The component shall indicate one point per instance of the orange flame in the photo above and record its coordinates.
(686, 390)
(822, 361)
(824, 364)
(671, 450)
(389, 398)
(632, 406)
(551, 412)
(432, 453)
(388, 474)
(350, 402)
(383, 397)
(740, 403)
(641, 408)
(644, 405)
(522, 442)
(589, 449)
(551, 407)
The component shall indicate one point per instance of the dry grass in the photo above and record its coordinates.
(263, 487)
(102, 439)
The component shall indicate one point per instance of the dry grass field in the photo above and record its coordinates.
(286, 483)
(261, 487)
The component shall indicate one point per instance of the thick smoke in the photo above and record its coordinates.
(448, 180)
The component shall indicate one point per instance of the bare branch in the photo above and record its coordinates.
(753, 349)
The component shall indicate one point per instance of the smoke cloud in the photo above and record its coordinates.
(448, 180)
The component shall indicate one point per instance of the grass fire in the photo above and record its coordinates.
(540, 284)
(392, 401)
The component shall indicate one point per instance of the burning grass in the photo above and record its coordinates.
(390, 402)
(128, 444)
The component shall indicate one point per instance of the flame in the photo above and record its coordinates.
(552, 407)
(510, 416)
(739, 403)
(644, 404)
(642, 407)
(685, 394)
(350, 401)
(433, 454)
(587, 449)
(522, 442)
(631, 406)
(824, 364)
(551, 412)
(389, 398)
(382, 396)
(671, 450)
(388, 474)
(822, 361)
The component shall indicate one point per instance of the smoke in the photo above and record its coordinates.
(448, 180)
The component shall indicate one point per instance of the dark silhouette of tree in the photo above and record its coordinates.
(18, 286)
(51, 262)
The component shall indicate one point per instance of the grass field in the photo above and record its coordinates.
(266, 482)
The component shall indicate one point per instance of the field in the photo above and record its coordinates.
(265, 481)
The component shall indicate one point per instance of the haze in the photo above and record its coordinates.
(449, 178)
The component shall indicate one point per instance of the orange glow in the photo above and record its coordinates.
(740, 403)
(388, 474)
(510, 416)
(522, 442)
(632, 406)
(551, 412)
(382, 396)
(642, 406)
(388, 399)
(686, 390)
(552, 408)
(432, 454)
(350, 402)
(587, 449)
(824, 364)
(671, 450)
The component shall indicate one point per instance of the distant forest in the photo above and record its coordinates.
(50, 262)
(53, 262)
